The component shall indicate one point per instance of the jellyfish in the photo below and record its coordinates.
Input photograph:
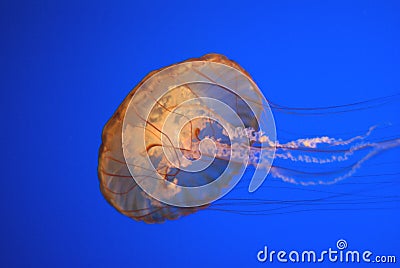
(187, 134)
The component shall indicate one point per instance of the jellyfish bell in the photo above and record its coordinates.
(176, 142)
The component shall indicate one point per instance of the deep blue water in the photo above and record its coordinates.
(67, 65)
